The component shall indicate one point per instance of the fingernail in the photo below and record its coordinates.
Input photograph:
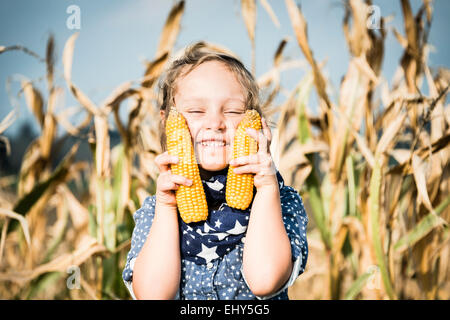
(189, 182)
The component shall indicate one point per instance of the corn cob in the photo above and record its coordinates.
(239, 189)
(191, 200)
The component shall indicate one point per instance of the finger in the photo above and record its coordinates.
(260, 138)
(263, 144)
(168, 181)
(252, 133)
(266, 130)
(180, 180)
(250, 159)
(253, 159)
(255, 169)
(164, 160)
(248, 168)
(165, 183)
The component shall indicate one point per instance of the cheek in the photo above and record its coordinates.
(194, 128)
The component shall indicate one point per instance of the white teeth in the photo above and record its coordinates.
(212, 143)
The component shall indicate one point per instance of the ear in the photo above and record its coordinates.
(162, 114)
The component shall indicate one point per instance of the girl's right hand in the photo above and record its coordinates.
(167, 183)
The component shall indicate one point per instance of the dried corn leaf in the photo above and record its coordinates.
(419, 170)
(410, 25)
(389, 135)
(437, 117)
(154, 70)
(266, 5)
(300, 29)
(411, 58)
(171, 29)
(366, 69)
(68, 56)
(50, 61)
(8, 120)
(358, 37)
(102, 150)
(21, 48)
(63, 116)
(31, 164)
(401, 155)
(48, 134)
(248, 8)
(23, 222)
(360, 141)
(401, 39)
(25, 203)
(78, 213)
(294, 165)
(34, 101)
(118, 95)
(67, 63)
(279, 53)
(352, 101)
(58, 229)
(59, 264)
(422, 228)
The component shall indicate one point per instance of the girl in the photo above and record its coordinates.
(235, 254)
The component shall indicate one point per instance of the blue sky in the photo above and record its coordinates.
(116, 37)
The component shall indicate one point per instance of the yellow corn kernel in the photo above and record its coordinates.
(191, 200)
(239, 189)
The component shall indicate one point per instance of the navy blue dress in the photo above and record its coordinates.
(221, 276)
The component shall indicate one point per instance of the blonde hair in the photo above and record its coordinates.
(191, 58)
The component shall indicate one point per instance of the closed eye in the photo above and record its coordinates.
(235, 112)
(195, 111)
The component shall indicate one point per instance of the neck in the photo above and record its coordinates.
(206, 174)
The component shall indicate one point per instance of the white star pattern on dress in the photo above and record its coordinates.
(208, 253)
(220, 235)
(218, 223)
(238, 229)
(207, 228)
(216, 185)
(200, 232)
(223, 279)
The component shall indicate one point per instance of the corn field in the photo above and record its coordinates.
(372, 167)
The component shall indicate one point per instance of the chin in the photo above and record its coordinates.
(213, 159)
(213, 166)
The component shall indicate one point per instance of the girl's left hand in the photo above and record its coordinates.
(261, 163)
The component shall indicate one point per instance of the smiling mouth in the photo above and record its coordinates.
(212, 143)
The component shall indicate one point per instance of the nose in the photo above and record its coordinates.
(215, 121)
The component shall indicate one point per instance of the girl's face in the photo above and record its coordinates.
(213, 103)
